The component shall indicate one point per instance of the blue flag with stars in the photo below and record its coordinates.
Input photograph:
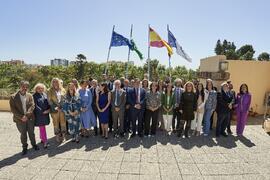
(119, 40)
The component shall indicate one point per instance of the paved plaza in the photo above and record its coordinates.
(160, 157)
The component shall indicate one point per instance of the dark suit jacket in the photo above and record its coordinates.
(121, 101)
(17, 109)
(132, 97)
(223, 100)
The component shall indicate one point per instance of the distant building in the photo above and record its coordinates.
(13, 62)
(59, 62)
(254, 73)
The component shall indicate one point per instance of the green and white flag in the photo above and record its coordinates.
(134, 48)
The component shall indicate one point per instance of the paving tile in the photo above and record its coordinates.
(67, 175)
(106, 176)
(86, 176)
(132, 157)
(128, 177)
(73, 165)
(149, 168)
(110, 167)
(91, 166)
(161, 157)
(130, 168)
(188, 169)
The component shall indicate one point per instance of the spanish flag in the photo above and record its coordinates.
(156, 41)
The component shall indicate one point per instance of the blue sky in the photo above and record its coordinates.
(38, 31)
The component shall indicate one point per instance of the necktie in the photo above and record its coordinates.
(177, 94)
(116, 97)
(138, 95)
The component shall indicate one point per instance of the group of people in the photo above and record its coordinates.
(126, 107)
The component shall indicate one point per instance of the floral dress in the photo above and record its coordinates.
(72, 104)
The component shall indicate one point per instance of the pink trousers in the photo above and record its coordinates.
(43, 134)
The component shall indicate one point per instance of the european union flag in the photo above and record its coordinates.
(119, 40)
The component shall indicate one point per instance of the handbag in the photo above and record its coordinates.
(266, 125)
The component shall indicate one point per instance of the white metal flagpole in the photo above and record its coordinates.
(130, 37)
(170, 66)
(109, 52)
(148, 59)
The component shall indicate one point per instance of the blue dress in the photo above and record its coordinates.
(102, 102)
(88, 118)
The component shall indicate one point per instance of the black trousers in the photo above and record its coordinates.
(187, 127)
(137, 116)
(25, 128)
(150, 115)
(222, 122)
(127, 120)
(110, 119)
(177, 116)
(229, 123)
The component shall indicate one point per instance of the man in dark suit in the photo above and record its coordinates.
(137, 104)
(118, 103)
(127, 118)
(178, 91)
(22, 106)
(224, 109)
(110, 84)
(94, 92)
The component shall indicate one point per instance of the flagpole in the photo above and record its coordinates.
(148, 59)
(170, 66)
(130, 37)
(109, 52)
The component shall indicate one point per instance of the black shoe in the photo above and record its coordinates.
(96, 131)
(229, 131)
(132, 135)
(179, 134)
(122, 135)
(224, 134)
(24, 151)
(35, 147)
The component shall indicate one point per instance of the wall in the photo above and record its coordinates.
(211, 64)
(256, 75)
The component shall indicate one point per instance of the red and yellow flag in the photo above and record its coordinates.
(156, 41)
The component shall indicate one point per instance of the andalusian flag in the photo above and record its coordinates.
(134, 48)
(156, 41)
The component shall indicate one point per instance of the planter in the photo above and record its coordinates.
(4, 105)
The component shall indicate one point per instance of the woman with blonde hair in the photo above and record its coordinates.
(71, 107)
(55, 96)
(41, 111)
(188, 107)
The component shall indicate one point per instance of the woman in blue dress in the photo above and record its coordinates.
(71, 108)
(103, 102)
(88, 118)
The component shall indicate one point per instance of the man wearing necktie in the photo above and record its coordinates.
(118, 103)
(127, 118)
(224, 108)
(93, 90)
(176, 108)
(137, 104)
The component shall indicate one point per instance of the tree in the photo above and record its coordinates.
(80, 61)
(245, 52)
(227, 48)
(219, 48)
(264, 56)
